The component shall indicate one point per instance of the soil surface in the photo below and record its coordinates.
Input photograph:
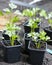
(46, 4)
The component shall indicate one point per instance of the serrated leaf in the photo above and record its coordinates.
(28, 13)
(47, 38)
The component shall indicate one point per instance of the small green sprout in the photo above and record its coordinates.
(12, 6)
(43, 13)
(15, 19)
(11, 31)
(27, 12)
(43, 36)
(33, 23)
(35, 11)
(37, 37)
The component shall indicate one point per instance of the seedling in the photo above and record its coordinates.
(33, 23)
(43, 36)
(28, 13)
(36, 11)
(50, 19)
(37, 37)
(13, 18)
(12, 6)
(11, 30)
(31, 12)
(43, 13)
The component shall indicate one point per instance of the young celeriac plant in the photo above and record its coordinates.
(12, 9)
(11, 29)
(28, 13)
(33, 23)
(43, 13)
(37, 37)
(12, 6)
(50, 19)
(35, 11)
(43, 36)
(34, 36)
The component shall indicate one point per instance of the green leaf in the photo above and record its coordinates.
(32, 23)
(43, 13)
(1, 13)
(47, 38)
(42, 33)
(12, 6)
(35, 11)
(27, 12)
(50, 21)
(43, 36)
(37, 20)
(15, 19)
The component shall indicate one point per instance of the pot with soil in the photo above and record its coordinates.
(11, 42)
(48, 30)
(27, 27)
(11, 53)
(33, 21)
(37, 54)
(37, 47)
(11, 46)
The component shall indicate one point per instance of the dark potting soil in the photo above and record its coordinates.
(7, 42)
(42, 47)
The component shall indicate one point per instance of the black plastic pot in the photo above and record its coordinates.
(27, 29)
(25, 50)
(36, 55)
(49, 32)
(12, 53)
(27, 39)
(6, 37)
